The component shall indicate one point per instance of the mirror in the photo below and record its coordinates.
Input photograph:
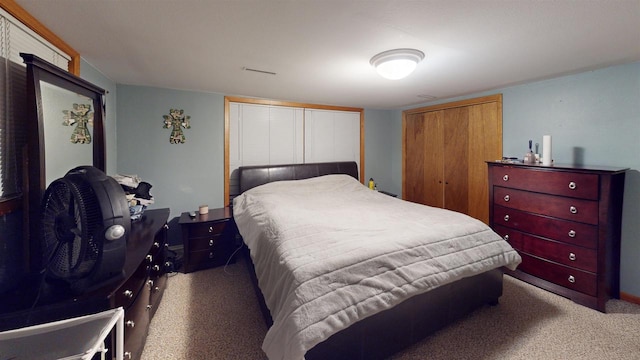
(65, 130)
(68, 129)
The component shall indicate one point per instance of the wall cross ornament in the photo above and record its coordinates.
(80, 116)
(176, 120)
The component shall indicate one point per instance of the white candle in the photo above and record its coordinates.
(546, 150)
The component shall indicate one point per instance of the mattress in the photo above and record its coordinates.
(329, 252)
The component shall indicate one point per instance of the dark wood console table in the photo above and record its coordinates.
(139, 292)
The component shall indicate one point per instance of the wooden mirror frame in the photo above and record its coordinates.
(39, 71)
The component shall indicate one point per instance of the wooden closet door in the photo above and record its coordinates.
(449, 145)
(414, 128)
(485, 144)
(434, 159)
(424, 159)
(456, 159)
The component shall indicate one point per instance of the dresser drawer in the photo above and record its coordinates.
(130, 291)
(574, 279)
(576, 233)
(585, 211)
(566, 254)
(206, 229)
(576, 185)
(136, 323)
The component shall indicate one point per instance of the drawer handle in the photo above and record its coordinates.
(149, 307)
(210, 242)
(506, 218)
(572, 185)
(128, 294)
(573, 210)
(571, 279)
(156, 245)
(127, 355)
(210, 229)
(150, 283)
(149, 258)
(156, 267)
(131, 323)
(572, 256)
(572, 233)
(166, 226)
(506, 237)
(505, 177)
(211, 255)
(506, 198)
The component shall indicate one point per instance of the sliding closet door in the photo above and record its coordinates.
(264, 135)
(331, 136)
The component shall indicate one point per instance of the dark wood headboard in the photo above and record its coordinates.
(252, 176)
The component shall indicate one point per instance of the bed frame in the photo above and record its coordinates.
(390, 331)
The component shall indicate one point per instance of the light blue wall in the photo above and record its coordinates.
(183, 176)
(595, 115)
(377, 158)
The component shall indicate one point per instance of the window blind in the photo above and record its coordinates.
(16, 38)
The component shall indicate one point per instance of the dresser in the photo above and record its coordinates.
(138, 292)
(209, 239)
(142, 291)
(565, 222)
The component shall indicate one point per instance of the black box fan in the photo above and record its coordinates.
(85, 224)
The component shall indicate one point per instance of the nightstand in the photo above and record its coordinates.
(209, 240)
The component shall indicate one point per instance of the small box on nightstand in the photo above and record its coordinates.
(209, 239)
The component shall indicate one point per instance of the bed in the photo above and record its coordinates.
(344, 272)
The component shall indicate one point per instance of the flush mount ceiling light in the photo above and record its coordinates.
(396, 64)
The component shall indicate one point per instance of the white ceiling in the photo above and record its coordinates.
(320, 50)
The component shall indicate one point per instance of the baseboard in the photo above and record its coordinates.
(629, 298)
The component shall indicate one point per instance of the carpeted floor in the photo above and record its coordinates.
(214, 314)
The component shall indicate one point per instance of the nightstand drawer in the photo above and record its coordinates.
(570, 278)
(205, 243)
(556, 229)
(585, 211)
(576, 185)
(206, 229)
(209, 258)
(570, 255)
